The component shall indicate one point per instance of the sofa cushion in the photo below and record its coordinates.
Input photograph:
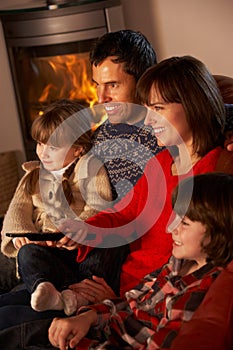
(225, 85)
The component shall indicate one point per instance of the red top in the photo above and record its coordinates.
(145, 211)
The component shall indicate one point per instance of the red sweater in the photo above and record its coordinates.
(145, 211)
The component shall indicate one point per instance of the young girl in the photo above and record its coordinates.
(151, 314)
(67, 182)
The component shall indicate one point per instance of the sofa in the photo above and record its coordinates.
(9, 178)
(225, 85)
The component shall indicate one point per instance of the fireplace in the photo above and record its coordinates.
(48, 51)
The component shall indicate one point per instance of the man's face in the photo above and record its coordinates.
(112, 83)
(113, 86)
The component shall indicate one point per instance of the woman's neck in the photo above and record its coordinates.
(185, 160)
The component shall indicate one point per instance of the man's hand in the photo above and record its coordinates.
(65, 332)
(95, 290)
(229, 141)
(230, 146)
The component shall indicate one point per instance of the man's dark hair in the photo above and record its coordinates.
(129, 47)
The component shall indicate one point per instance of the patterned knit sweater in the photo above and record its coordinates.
(124, 149)
(90, 188)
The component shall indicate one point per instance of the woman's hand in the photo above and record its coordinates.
(74, 229)
(95, 290)
(67, 243)
(65, 332)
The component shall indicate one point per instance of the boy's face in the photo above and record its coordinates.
(188, 236)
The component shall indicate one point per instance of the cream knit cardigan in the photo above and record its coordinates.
(91, 191)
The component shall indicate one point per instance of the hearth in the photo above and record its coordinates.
(48, 50)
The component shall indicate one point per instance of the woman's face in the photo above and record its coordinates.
(168, 120)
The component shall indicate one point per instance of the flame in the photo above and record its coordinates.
(101, 120)
(69, 76)
(46, 93)
(71, 79)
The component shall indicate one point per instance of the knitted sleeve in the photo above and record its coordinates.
(95, 189)
(17, 219)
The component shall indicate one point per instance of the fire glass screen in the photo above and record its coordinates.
(47, 73)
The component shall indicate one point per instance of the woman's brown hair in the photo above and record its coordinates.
(211, 203)
(186, 80)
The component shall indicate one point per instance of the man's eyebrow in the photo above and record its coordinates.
(112, 82)
(107, 82)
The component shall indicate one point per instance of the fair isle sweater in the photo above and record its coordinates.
(38, 213)
(125, 150)
(142, 217)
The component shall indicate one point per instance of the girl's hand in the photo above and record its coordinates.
(18, 242)
(95, 290)
(65, 332)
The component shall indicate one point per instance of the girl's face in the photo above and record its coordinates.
(169, 122)
(187, 238)
(55, 158)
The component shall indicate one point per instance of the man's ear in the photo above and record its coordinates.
(78, 151)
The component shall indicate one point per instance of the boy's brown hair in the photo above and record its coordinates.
(211, 203)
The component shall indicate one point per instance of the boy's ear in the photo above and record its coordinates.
(78, 151)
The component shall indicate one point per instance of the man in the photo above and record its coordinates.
(122, 142)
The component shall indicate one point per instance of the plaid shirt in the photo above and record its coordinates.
(151, 315)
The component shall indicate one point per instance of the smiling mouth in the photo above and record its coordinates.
(177, 243)
(159, 130)
(112, 109)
